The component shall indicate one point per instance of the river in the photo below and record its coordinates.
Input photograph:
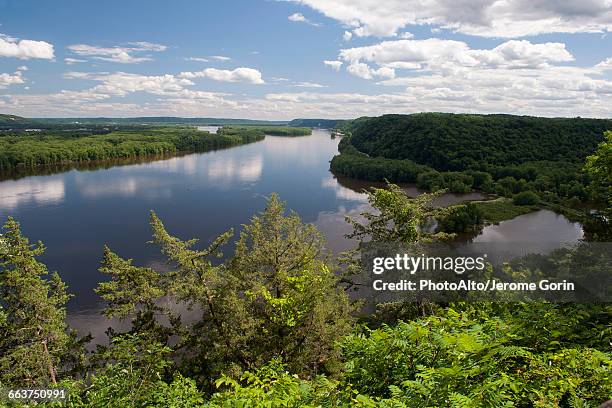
(201, 195)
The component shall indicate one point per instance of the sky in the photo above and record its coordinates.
(285, 59)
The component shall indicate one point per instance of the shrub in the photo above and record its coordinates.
(526, 198)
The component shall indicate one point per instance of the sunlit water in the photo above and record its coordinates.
(200, 195)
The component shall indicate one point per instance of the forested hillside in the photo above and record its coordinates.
(160, 121)
(9, 120)
(536, 162)
(317, 123)
(449, 142)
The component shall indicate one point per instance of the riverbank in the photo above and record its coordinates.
(484, 154)
(22, 150)
(501, 209)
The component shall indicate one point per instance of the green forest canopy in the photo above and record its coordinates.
(499, 154)
(59, 146)
(456, 142)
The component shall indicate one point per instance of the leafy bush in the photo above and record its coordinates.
(461, 218)
(526, 198)
(471, 358)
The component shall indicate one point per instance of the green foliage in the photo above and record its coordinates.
(131, 369)
(293, 305)
(461, 218)
(129, 286)
(599, 167)
(317, 123)
(50, 147)
(276, 297)
(135, 292)
(455, 182)
(273, 386)
(500, 154)
(275, 329)
(496, 211)
(133, 372)
(429, 180)
(266, 130)
(449, 142)
(374, 169)
(561, 179)
(35, 342)
(526, 198)
(399, 218)
(11, 120)
(471, 359)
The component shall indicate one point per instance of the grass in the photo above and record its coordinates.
(501, 209)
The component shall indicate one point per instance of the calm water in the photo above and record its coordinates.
(200, 195)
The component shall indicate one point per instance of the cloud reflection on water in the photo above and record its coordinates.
(41, 191)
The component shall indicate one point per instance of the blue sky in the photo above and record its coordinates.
(305, 58)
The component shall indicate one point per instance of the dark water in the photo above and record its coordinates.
(199, 195)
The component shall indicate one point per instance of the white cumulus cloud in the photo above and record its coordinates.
(10, 79)
(489, 18)
(297, 17)
(118, 54)
(605, 65)
(25, 49)
(333, 64)
(447, 55)
(123, 83)
(364, 71)
(241, 74)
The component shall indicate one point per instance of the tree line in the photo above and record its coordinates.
(540, 159)
(30, 149)
(267, 130)
(455, 142)
(8, 122)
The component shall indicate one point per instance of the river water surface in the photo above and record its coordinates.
(201, 195)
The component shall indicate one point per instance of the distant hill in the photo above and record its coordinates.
(17, 122)
(461, 141)
(159, 120)
(316, 123)
(12, 120)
